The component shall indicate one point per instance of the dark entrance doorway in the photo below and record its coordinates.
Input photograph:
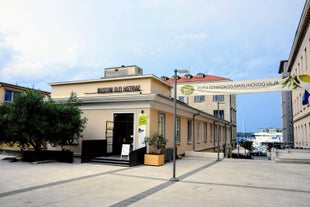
(122, 131)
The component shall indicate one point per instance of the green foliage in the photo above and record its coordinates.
(31, 121)
(246, 144)
(4, 123)
(157, 142)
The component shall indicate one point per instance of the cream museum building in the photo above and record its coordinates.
(125, 106)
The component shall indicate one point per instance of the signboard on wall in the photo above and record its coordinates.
(142, 129)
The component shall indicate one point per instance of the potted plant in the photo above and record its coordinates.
(156, 143)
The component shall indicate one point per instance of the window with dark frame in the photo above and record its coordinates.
(161, 124)
(189, 131)
(218, 98)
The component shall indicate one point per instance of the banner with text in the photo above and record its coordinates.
(238, 87)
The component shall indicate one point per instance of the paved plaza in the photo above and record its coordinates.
(202, 182)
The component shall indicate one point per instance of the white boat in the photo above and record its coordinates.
(267, 135)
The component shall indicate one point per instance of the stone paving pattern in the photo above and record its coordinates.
(202, 182)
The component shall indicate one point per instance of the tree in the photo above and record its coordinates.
(31, 121)
(247, 145)
(157, 142)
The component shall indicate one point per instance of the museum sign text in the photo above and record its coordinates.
(119, 89)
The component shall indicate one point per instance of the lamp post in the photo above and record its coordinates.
(218, 130)
(175, 121)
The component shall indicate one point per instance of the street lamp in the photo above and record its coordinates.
(175, 121)
(218, 130)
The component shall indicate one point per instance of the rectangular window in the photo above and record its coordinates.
(205, 133)
(9, 96)
(217, 98)
(198, 131)
(199, 98)
(181, 98)
(178, 130)
(161, 124)
(305, 59)
(189, 131)
(211, 133)
(219, 114)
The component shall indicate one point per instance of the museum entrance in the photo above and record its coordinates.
(122, 132)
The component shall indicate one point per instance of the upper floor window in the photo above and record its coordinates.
(219, 114)
(9, 96)
(188, 76)
(199, 98)
(217, 98)
(200, 75)
(181, 98)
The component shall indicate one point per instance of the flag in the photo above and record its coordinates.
(305, 98)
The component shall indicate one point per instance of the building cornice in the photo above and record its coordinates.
(17, 87)
(299, 35)
(109, 80)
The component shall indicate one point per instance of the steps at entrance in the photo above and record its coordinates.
(291, 156)
(114, 160)
(293, 160)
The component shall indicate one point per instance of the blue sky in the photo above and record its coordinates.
(54, 40)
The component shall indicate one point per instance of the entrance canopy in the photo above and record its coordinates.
(245, 86)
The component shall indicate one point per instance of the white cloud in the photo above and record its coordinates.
(60, 40)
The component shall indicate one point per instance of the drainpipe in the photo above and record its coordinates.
(194, 140)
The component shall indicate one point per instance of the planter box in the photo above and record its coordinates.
(155, 160)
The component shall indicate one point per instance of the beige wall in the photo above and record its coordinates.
(100, 110)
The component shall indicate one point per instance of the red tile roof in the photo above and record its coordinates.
(200, 77)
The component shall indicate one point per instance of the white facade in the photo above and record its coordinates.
(298, 64)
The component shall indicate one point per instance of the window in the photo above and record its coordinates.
(188, 76)
(217, 98)
(181, 98)
(205, 132)
(198, 132)
(211, 133)
(305, 60)
(219, 114)
(199, 98)
(161, 124)
(9, 96)
(178, 130)
(200, 75)
(189, 131)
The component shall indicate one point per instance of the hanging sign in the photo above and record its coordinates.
(245, 86)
